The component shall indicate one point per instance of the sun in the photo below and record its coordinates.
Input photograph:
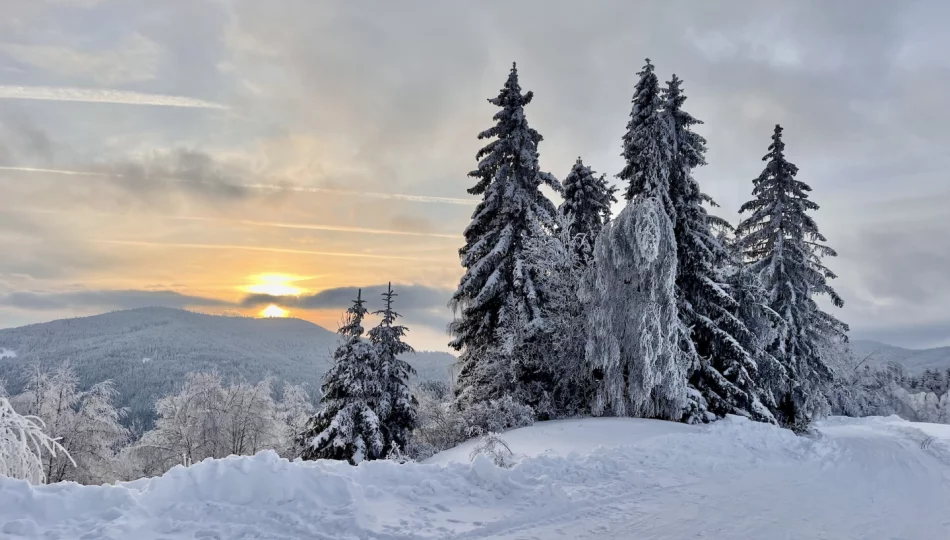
(275, 285)
(273, 311)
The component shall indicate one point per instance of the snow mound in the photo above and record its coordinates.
(564, 437)
(593, 478)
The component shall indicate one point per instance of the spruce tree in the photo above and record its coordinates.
(647, 144)
(347, 426)
(397, 405)
(725, 371)
(784, 248)
(586, 208)
(499, 286)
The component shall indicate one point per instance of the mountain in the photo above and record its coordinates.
(147, 352)
(915, 361)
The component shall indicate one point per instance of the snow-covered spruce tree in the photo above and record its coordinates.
(347, 426)
(783, 246)
(725, 371)
(647, 144)
(560, 266)
(764, 324)
(499, 286)
(633, 329)
(586, 208)
(397, 405)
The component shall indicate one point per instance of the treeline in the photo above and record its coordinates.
(663, 311)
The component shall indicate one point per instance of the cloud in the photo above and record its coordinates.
(231, 247)
(191, 171)
(133, 58)
(22, 141)
(410, 297)
(105, 299)
(418, 304)
(102, 95)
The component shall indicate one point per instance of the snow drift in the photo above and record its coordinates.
(604, 478)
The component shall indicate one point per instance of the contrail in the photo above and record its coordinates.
(58, 171)
(102, 95)
(304, 226)
(314, 227)
(277, 187)
(369, 194)
(258, 248)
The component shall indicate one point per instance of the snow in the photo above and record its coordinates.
(865, 479)
(7, 353)
(564, 437)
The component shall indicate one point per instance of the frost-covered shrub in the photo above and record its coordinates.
(85, 423)
(23, 445)
(211, 418)
(496, 448)
(397, 455)
(496, 415)
(442, 425)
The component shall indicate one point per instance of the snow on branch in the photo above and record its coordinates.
(22, 445)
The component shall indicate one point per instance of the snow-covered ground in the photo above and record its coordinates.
(871, 478)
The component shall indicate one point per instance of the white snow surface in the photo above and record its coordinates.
(871, 478)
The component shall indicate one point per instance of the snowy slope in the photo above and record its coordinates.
(148, 351)
(915, 361)
(875, 478)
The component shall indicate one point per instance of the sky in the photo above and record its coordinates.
(211, 154)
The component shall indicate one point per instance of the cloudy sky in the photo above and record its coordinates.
(212, 154)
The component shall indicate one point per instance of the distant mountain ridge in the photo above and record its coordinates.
(147, 352)
(915, 361)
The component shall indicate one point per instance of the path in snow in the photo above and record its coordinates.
(874, 482)
(861, 479)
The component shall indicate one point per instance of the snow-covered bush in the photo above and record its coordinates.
(496, 415)
(211, 419)
(439, 423)
(24, 445)
(85, 423)
(442, 425)
(293, 411)
(496, 448)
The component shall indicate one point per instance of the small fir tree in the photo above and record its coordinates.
(347, 426)
(397, 405)
(586, 208)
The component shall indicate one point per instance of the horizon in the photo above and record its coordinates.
(369, 318)
(227, 157)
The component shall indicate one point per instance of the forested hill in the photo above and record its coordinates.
(914, 361)
(147, 352)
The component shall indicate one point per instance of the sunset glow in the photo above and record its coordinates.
(275, 284)
(273, 311)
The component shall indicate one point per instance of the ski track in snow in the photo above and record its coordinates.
(874, 478)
